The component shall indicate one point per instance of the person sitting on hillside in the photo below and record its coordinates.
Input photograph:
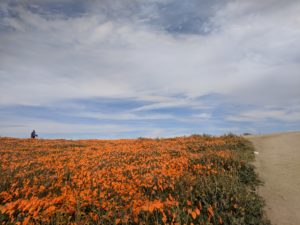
(33, 134)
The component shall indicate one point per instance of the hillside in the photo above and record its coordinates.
(184, 180)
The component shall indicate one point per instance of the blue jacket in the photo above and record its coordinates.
(33, 134)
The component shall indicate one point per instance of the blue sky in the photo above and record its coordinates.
(155, 68)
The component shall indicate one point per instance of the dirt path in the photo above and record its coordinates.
(278, 165)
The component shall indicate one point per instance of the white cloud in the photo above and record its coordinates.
(125, 116)
(261, 115)
(250, 56)
(49, 60)
(202, 116)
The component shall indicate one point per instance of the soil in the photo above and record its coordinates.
(278, 166)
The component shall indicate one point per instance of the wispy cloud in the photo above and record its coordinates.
(166, 58)
(261, 115)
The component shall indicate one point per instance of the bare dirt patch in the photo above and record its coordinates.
(278, 166)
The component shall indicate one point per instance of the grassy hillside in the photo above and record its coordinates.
(184, 180)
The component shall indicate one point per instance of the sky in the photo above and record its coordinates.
(148, 68)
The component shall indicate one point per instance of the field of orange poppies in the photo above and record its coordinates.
(183, 180)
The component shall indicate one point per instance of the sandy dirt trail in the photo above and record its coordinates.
(278, 165)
